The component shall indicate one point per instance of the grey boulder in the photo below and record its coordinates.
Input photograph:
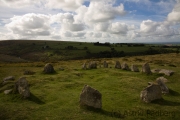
(146, 68)
(90, 97)
(164, 88)
(151, 93)
(48, 68)
(118, 65)
(22, 87)
(134, 68)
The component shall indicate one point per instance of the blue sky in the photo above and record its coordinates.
(91, 20)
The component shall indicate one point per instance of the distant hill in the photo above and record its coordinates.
(38, 50)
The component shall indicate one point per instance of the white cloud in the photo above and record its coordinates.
(3, 36)
(102, 20)
(80, 13)
(66, 5)
(19, 3)
(74, 27)
(134, 35)
(101, 26)
(154, 29)
(56, 37)
(71, 35)
(101, 11)
(66, 34)
(105, 35)
(174, 16)
(148, 26)
(67, 22)
(113, 27)
(166, 31)
(118, 28)
(78, 34)
(63, 18)
(30, 25)
(97, 35)
(92, 34)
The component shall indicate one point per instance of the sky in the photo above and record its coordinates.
(114, 21)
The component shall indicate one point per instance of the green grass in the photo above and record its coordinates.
(56, 96)
(29, 50)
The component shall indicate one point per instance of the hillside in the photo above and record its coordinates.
(52, 51)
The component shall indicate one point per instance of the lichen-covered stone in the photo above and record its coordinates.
(146, 68)
(161, 81)
(134, 68)
(92, 65)
(105, 64)
(9, 78)
(84, 66)
(90, 97)
(48, 68)
(22, 87)
(125, 66)
(166, 72)
(118, 65)
(151, 93)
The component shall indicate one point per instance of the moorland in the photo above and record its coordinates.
(56, 96)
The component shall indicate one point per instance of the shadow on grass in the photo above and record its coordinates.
(173, 93)
(103, 112)
(53, 73)
(166, 102)
(3, 113)
(35, 99)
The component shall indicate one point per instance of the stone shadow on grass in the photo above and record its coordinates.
(35, 99)
(166, 102)
(173, 93)
(104, 112)
(53, 73)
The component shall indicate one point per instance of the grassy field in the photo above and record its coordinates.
(56, 96)
(53, 51)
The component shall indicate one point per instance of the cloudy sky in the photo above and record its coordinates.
(91, 20)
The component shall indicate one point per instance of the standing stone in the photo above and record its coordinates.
(134, 68)
(92, 65)
(84, 67)
(118, 65)
(164, 88)
(155, 70)
(166, 72)
(151, 93)
(28, 72)
(8, 78)
(105, 64)
(124, 66)
(163, 71)
(150, 83)
(22, 87)
(48, 68)
(146, 68)
(8, 91)
(162, 79)
(91, 97)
